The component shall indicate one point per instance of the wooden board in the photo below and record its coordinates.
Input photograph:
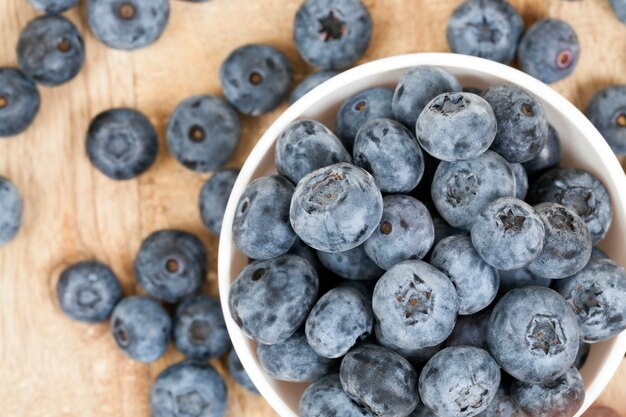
(53, 367)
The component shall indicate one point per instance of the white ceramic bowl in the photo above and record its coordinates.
(583, 147)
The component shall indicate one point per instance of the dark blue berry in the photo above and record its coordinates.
(53, 6)
(518, 278)
(549, 156)
(353, 264)
(326, 397)
(11, 208)
(309, 83)
(607, 111)
(214, 196)
(239, 374)
(19, 101)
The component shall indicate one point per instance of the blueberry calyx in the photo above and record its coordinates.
(564, 59)
(331, 27)
(584, 300)
(510, 221)
(545, 334)
(191, 404)
(472, 397)
(4, 102)
(450, 103)
(127, 11)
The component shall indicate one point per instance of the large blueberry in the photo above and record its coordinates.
(389, 151)
(533, 334)
(309, 83)
(416, 357)
(353, 264)
(470, 330)
(336, 208)
(521, 181)
(607, 111)
(416, 305)
(11, 209)
(456, 126)
(332, 34)
(518, 278)
(239, 374)
(307, 145)
(19, 101)
(380, 380)
(326, 397)
(549, 156)
(460, 189)
(271, 299)
(256, 78)
(214, 196)
(53, 6)
(459, 381)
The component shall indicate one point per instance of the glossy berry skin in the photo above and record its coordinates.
(88, 291)
(549, 157)
(239, 374)
(485, 28)
(415, 304)
(332, 34)
(581, 192)
(563, 397)
(518, 278)
(309, 83)
(214, 196)
(460, 189)
(53, 6)
(597, 295)
(470, 330)
(121, 143)
(405, 232)
(199, 330)
(336, 208)
(521, 181)
(141, 328)
(416, 357)
(549, 50)
(326, 397)
(533, 334)
(261, 227)
(353, 264)
(522, 123)
(456, 126)
(360, 108)
(368, 368)
(256, 78)
(293, 360)
(508, 233)
(189, 388)
(307, 145)
(416, 88)
(171, 265)
(11, 209)
(50, 50)
(389, 151)
(271, 299)
(19, 101)
(128, 24)
(203, 133)
(607, 111)
(567, 244)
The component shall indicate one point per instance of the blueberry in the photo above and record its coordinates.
(336, 208)
(122, 143)
(549, 156)
(214, 196)
(239, 374)
(261, 225)
(456, 126)
(188, 389)
(416, 357)
(583, 353)
(11, 208)
(293, 360)
(596, 252)
(53, 6)
(128, 24)
(518, 278)
(326, 397)
(51, 50)
(597, 295)
(199, 330)
(19, 101)
(309, 83)
(303, 250)
(405, 232)
(502, 404)
(533, 334)
(88, 291)
(332, 34)
(522, 123)
(415, 304)
(460, 189)
(171, 265)
(476, 282)
(563, 397)
(389, 151)
(203, 133)
(549, 50)
(567, 245)
(271, 299)
(459, 381)
(485, 28)
(521, 181)
(416, 88)
(607, 111)
(508, 233)
(581, 192)
(353, 264)
(307, 145)
(360, 108)
(470, 330)
(141, 328)
(443, 230)
(619, 8)
(380, 381)
(256, 78)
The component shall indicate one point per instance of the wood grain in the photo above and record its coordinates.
(51, 366)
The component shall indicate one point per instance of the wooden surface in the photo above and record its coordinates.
(51, 366)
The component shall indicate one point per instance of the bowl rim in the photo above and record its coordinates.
(394, 63)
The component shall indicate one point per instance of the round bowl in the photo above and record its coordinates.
(583, 147)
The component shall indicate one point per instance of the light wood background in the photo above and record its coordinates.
(51, 366)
